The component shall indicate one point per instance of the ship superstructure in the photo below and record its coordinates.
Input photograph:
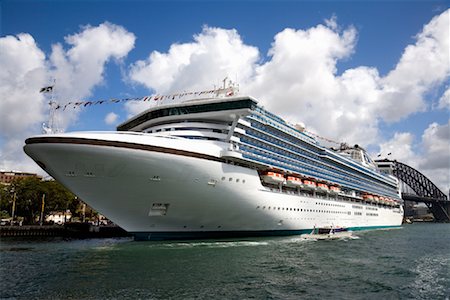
(219, 167)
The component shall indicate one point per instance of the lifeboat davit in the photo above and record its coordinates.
(322, 187)
(309, 184)
(272, 177)
(334, 189)
(293, 181)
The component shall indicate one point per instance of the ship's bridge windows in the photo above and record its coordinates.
(184, 110)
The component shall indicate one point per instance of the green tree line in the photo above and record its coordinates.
(28, 199)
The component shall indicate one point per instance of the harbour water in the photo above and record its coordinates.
(408, 263)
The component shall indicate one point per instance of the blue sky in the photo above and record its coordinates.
(380, 32)
(384, 29)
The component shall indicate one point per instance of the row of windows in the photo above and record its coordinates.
(357, 213)
(371, 214)
(188, 128)
(353, 164)
(255, 122)
(280, 124)
(300, 167)
(330, 204)
(189, 109)
(300, 156)
(296, 142)
(230, 179)
(303, 210)
(307, 166)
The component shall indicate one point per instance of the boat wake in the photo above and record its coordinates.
(216, 244)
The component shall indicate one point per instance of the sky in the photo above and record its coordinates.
(372, 73)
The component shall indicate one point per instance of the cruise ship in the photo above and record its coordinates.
(219, 167)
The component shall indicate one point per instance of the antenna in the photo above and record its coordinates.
(52, 120)
(229, 88)
(225, 82)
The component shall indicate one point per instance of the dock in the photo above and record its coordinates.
(70, 230)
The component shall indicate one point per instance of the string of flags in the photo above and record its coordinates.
(227, 91)
(322, 138)
(75, 104)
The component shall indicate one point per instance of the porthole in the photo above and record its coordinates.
(223, 178)
(230, 179)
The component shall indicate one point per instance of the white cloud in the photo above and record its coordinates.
(111, 118)
(81, 67)
(25, 69)
(300, 83)
(299, 79)
(22, 74)
(421, 67)
(444, 101)
(400, 148)
(434, 158)
(436, 143)
(214, 54)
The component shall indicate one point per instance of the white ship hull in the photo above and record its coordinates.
(156, 188)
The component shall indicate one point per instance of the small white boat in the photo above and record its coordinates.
(327, 233)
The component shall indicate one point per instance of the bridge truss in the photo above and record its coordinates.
(426, 191)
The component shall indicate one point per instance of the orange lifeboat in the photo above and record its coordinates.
(368, 197)
(272, 177)
(293, 181)
(335, 189)
(385, 200)
(323, 187)
(376, 199)
(309, 184)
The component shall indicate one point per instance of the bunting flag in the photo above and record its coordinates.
(322, 138)
(46, 89)
(74, 104)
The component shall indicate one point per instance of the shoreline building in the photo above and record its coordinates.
(7, 177)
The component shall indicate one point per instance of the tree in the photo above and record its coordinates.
(29, 192)
(58, 198)
(5, 201)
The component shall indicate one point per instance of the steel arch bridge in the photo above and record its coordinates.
(426, 191)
